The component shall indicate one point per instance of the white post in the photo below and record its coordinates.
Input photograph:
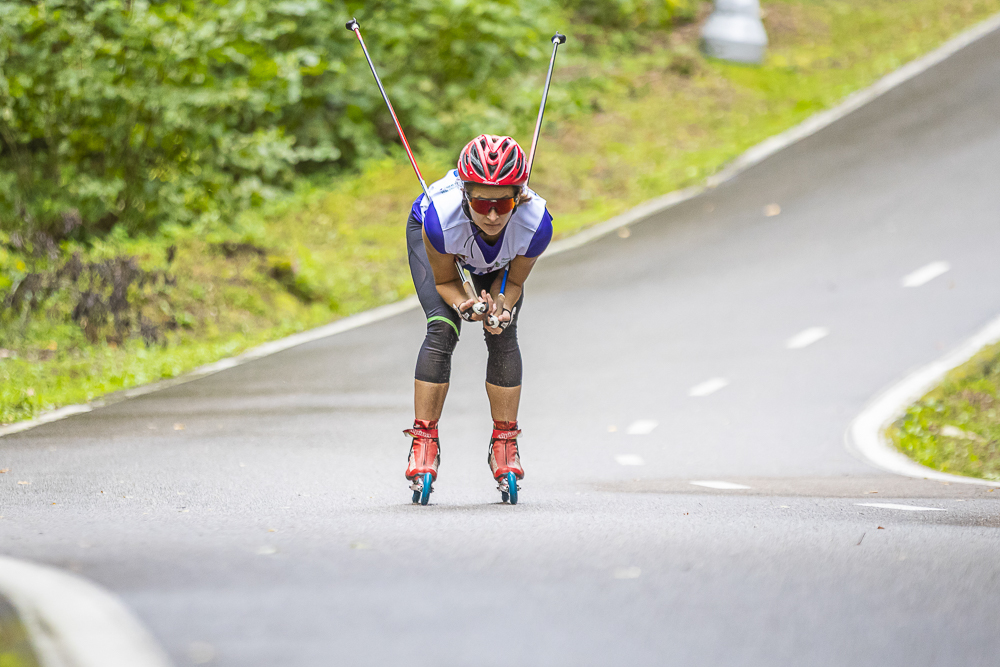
(735, 32)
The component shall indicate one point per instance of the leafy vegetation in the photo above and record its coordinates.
(136, 113)
(635, 112)
(956, 427)
(15, 644)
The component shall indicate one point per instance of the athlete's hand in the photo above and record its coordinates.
(491, 310)
(466, 312)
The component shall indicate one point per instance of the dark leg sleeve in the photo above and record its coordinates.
(503, 368)
(443, 323)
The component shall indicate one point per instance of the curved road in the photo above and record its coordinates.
(274, 529)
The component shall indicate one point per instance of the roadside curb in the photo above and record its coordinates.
(74, 623)
(866, 435)
(264, 350)
(751, 157)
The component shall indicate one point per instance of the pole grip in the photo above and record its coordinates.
(495, 319)
(352, 24)
(470, 291)
(501, 297)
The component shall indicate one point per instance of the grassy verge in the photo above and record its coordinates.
(956, 427)
(642, 124)
(15, 645)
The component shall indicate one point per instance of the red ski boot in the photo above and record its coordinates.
(425, 456)
(504, 460)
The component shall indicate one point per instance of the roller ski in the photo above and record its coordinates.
(505, 463)
(424, 458)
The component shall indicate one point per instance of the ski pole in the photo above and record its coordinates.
(353, 25)
(501, 297)
(479, 307)
(557, 39)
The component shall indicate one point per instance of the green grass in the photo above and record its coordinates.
(644, 123)
(15, 645)
(956, 427)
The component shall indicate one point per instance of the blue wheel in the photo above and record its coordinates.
(512, 486)
(425, 493)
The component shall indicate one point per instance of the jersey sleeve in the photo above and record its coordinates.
(432, 226)
(540, 240)
(417, 210)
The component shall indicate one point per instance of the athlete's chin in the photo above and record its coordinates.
(492, 228)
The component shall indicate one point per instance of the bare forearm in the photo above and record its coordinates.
(511, 294)
(453, 293)
(508, 290)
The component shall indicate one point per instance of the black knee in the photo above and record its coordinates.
(434, 360)
(504, 366)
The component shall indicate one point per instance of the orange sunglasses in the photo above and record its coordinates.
(482, 206)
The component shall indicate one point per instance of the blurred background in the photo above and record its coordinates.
(182, 180)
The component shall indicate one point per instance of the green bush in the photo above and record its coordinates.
(632, 14)
(132, 114)
(137, 113)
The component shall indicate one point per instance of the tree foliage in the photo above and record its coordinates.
(631, 14)
(137, 113)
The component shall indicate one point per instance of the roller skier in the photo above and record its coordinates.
(480, 217)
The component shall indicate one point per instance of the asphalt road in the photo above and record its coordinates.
(274, 528)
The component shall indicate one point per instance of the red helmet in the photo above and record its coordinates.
(493, 160)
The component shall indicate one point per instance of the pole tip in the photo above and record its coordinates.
(558, 38)
(352, 24)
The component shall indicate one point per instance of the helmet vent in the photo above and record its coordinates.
(496, 160)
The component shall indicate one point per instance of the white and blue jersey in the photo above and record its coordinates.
(451, 232)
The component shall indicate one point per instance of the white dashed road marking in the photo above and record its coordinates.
(641, 427)
(627, 573)
(630, 460)
(908, 508)
(807, 337)
(716, 484)
(708, 387)
(925, 274)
